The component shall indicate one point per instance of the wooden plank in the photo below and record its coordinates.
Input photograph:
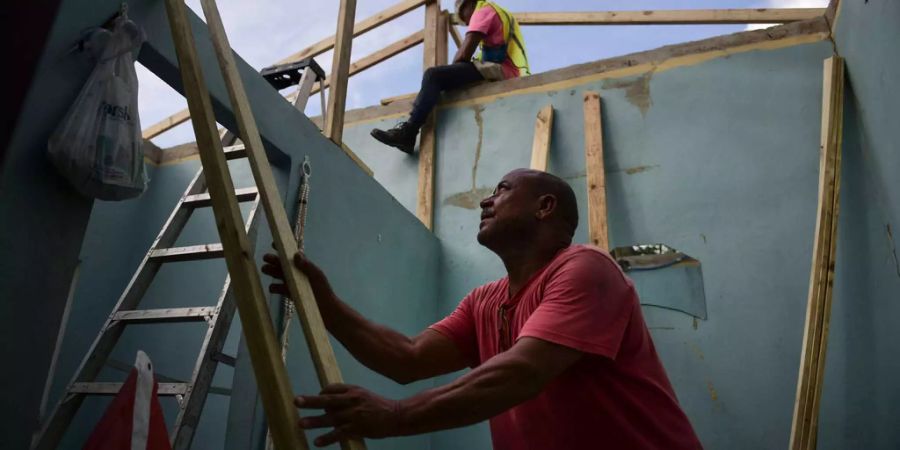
(454, 33)
(598, 232)
(275, 389)
(670, 17)
(361, 27)
(298, 285)
(372, 59)
(540, 147)
(340, 69)
(435, 53)
(804, 425)
(398, 98)
(166, 124)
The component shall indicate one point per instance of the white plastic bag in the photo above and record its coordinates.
(98, 144)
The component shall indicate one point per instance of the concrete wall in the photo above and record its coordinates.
(861, 400)
(718, 159)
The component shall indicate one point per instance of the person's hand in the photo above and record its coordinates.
(351, 412)
(317, 279)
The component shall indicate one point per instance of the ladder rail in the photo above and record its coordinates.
(205, 367)
(51, 432)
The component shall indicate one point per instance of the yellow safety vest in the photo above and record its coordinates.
(514, 43)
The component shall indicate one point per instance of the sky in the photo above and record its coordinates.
(263, 32)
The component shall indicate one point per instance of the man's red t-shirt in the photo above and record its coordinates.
(615, 397)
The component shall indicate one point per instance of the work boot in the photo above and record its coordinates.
(402, 136)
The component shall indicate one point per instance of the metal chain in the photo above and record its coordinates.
(287, 306)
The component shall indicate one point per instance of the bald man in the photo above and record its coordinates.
(560, 355)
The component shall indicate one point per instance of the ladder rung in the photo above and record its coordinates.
(235, 152)
(197, 314)
(190, 253)
(203, 200)
(113, 388)
(228, 360)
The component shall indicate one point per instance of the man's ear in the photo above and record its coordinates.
(547, 204)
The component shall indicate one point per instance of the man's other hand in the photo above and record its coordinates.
(351, 412)
(317, 279)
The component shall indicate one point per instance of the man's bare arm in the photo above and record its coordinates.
(502, 382)
(469, 44)
(386, 351)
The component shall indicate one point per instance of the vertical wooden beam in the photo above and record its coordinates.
(297, 283)
(540, 147)
(340, 69)
(274, 385)
(804, 426)
(598, 232)
(435, 54)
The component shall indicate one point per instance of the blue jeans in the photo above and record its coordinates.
(437, 79)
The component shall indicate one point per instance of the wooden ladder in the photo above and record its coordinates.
(259, 333)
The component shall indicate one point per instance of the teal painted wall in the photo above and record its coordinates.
(718, 160)
(380, 258)
(861, 401)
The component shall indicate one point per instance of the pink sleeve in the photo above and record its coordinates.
(459, 327)
(482, 21)
(587, 305)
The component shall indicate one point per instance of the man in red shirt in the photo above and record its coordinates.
(502, 57)
(560, 355)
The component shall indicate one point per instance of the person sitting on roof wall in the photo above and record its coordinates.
(561, 357)
(502, 56)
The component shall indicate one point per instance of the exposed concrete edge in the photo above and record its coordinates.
(659, 59)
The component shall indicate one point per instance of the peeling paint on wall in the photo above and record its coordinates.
(472, 198)
(893, 248)
(712, 391)
(639, 169)
(468, 199)
(637, 90)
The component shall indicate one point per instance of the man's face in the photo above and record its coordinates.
(509, 213)
(465, 13)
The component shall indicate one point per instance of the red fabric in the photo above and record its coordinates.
(616, 397)
(113, 432)
(486, 20)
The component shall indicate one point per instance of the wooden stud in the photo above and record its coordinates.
(166, 124)
(340, 69)
(598, 232)
(274, 386)
(361, 27)
(435, 54)
(454, 33)
(286, 246)
(540, 147)
(398, 98)
(368, 61)
(804, 426)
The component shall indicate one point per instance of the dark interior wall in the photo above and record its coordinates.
(862, 367)
(42, 220)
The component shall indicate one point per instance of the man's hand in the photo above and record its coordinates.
(352, 412)
(317, 279)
